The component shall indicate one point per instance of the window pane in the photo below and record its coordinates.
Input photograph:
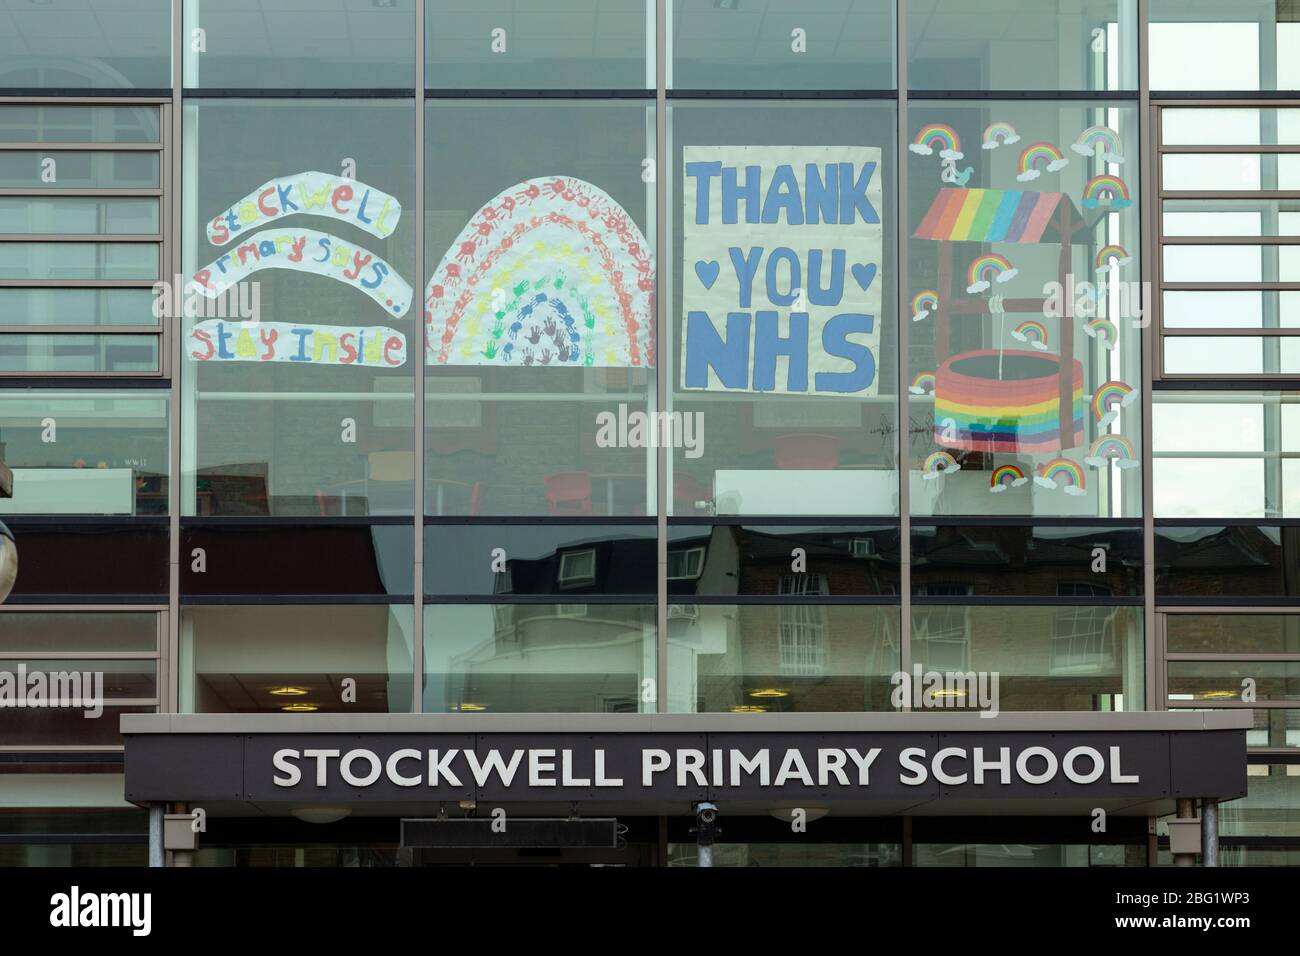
(79, 216)
(1232, 633)
(246, 659)
(78, 260)
(598, 43)
(1220, 171)
(1024, 357)
(1252, 126)
(1021, 45)
(21, 123)
(1231, 263)
(540, 559)
(1232, 217)
(1210, 45)
(782, 44)
(327, 44)
(794, 399)
(781, 658)
(101, 44)
(1083, 657)
(1270, 809)
(538, 658)
(87, 631)
(1225, 681)
(541, 331)
(1231, 309)
(66, 354)
(110, 457)
(99, 170)
(1025, 560)
(123, 558)
(37, 307)
(308, 411)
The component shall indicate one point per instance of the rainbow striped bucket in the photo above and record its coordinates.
(976, 410)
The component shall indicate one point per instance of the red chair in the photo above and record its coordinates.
(807, 452)
(569, 493)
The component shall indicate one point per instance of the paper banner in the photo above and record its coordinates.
(781, 279)
(551, 272)
(309, 193)
(374, 346)
(305, 250)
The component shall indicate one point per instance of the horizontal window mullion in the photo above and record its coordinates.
(81, 329)
(1229, 194)
(107, 192)
(1279, 148)
(1207, 657)
(1230, 240)
(1264, 331)
(34, 237)
(105, 147)
(1230, 286)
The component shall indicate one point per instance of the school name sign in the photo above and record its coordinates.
(914, 766)
(783, 248)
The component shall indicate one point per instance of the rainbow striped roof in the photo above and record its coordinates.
(993, 215)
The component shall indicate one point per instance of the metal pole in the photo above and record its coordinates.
(1186, 810)
(156, 855)
(1209, 832)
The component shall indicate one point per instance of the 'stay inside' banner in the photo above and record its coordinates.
(783, 247)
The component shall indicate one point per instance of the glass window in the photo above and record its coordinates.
(299, 390)
(790, 854)
(539, 658)
(81, 169)
(1230, 126)
(1232, 634)
(80, 354)
(784, 326)
(79, 260)
(98, 44)
(1025, 310)
(1244, 559)
(317, 44)
(779, 658)
(1021, 45)
(539, 309)
(83, 452)
(779, 559)
(1225, 682)
(79, 216)
(77, 631)
(293, 659)
(605, 44)
(781, 45)
(1210, 45)
(125, 557)
(1226, 454)
(88, 307)
(1026, 560)
(1081, 656)
(48, 123)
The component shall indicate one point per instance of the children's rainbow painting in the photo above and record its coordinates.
(1033, 332)
(1100, 141)
(938, 463)
(1064, 474)
(1106, 190)
(1017, 413)
(923, 384)
(1109, 398)
(1112, 257)
(1103, 330)
(550, 272)
(924, 304)
(987, 269)
(1038, 158)
(1111, 448)
(1006, 476)
(999, 133)
(937, 136)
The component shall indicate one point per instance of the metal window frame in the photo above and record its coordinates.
(162, 240)
(1155, 214)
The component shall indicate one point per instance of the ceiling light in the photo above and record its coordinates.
(288, 691)
(1219, 695)
(320, 814)
(299, 708)
(765, 693)
(468, 707)
(748, 709)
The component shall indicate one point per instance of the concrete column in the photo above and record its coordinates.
(1209, 832)
(1186, 810)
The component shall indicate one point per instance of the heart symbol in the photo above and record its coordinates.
(863, 274)
(707, 272)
